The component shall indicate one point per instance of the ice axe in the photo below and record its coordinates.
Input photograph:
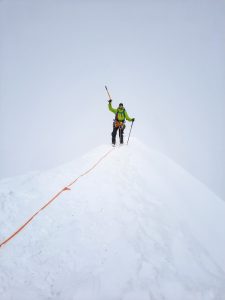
(108, 92)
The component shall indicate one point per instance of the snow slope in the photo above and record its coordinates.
(137, 227)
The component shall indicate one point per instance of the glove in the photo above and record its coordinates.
(133, 119)
(110, 100)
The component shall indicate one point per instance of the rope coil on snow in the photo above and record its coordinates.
(67, 188)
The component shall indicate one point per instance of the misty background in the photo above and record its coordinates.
(165, 60)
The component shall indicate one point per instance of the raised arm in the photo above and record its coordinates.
(113, 110)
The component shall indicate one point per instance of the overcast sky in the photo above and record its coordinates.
(165, 60)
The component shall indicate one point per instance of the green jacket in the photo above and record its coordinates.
(121, 113)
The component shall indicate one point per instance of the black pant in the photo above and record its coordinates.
(114, 133)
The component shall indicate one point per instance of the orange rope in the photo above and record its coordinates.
(52, 199)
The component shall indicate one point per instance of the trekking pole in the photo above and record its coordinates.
(130, 132)
(108, 93)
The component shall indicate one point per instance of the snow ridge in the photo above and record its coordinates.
(138, 227)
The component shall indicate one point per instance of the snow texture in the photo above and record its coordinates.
(138, 227)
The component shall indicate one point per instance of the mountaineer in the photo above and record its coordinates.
(119, 122)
